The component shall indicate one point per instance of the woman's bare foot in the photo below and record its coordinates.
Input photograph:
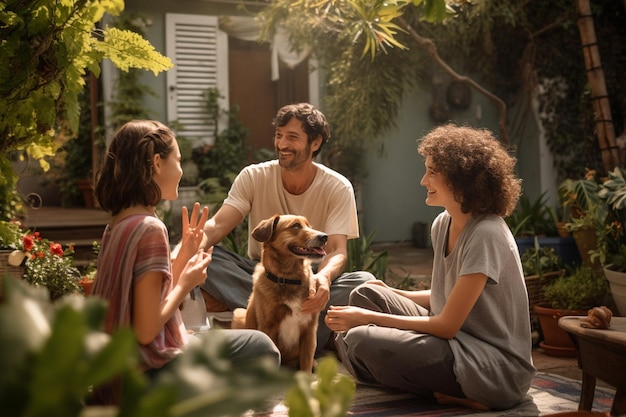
(465, 402)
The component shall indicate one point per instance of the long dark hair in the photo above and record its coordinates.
(125, 179)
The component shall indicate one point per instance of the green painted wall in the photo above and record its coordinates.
(393, 199)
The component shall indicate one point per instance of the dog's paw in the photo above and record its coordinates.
(239, 318)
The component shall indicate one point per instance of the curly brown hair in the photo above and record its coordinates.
(125, 179)
(478, 169)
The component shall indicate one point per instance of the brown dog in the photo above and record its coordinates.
(281, 282)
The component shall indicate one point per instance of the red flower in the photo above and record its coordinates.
(28, 242)
(40, 254)
(56, 249)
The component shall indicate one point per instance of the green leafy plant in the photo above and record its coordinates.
(613, 190)
(361, 256)
(230, 152)
(577, 196)
(327, 393)
(43, 343)
(533, 218)
(74, 160)
(538, 260)
(617, 261)
(237, 240)
(47, 49)
(129, 92)
(599, 204)
(343, 34)
(612, 237)
(49, 265)
(10, 234)
(582, 289)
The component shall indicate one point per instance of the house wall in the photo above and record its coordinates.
(155, 11)
(391, 198)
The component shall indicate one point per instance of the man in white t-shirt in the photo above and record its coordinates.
(290, 184)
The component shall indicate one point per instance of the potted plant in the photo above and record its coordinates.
(569, 295)
(532, 218)
(46, 264)
(586, 230)
(89, 273)
(585, 212)
(537, 219)
(611, 250)
(615, 273)
(541, 264)
(578, 195)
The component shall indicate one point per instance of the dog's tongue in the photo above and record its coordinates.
(319, 251)
(312, 251)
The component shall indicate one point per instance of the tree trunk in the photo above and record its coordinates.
(605, 129)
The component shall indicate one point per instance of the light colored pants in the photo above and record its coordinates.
(407, 360)
(230, 281)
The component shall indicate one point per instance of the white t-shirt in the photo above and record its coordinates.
(492, 350)
(328, 203)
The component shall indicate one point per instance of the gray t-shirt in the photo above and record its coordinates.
(492, 350)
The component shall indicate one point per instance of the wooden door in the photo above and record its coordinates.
(258, 97)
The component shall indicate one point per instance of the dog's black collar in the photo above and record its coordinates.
(282, 281)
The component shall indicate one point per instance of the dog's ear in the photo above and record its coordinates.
(264, 230)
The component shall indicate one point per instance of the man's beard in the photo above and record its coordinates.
(297, 160)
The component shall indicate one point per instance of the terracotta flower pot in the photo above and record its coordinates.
(556, 340)
(87, 286)
(586, 241)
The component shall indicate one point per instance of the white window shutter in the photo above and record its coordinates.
(199, 51)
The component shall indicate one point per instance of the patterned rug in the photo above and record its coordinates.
(549, 394)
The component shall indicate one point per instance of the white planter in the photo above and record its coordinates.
(617, 281)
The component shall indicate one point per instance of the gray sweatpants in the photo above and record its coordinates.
(404, 359)
(230, 281)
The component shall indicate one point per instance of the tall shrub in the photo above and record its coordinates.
(46, 49)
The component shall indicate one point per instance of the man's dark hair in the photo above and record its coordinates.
(313, 121)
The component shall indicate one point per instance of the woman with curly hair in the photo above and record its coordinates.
(467, 340)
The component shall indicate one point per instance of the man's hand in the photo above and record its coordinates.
(319, 294)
